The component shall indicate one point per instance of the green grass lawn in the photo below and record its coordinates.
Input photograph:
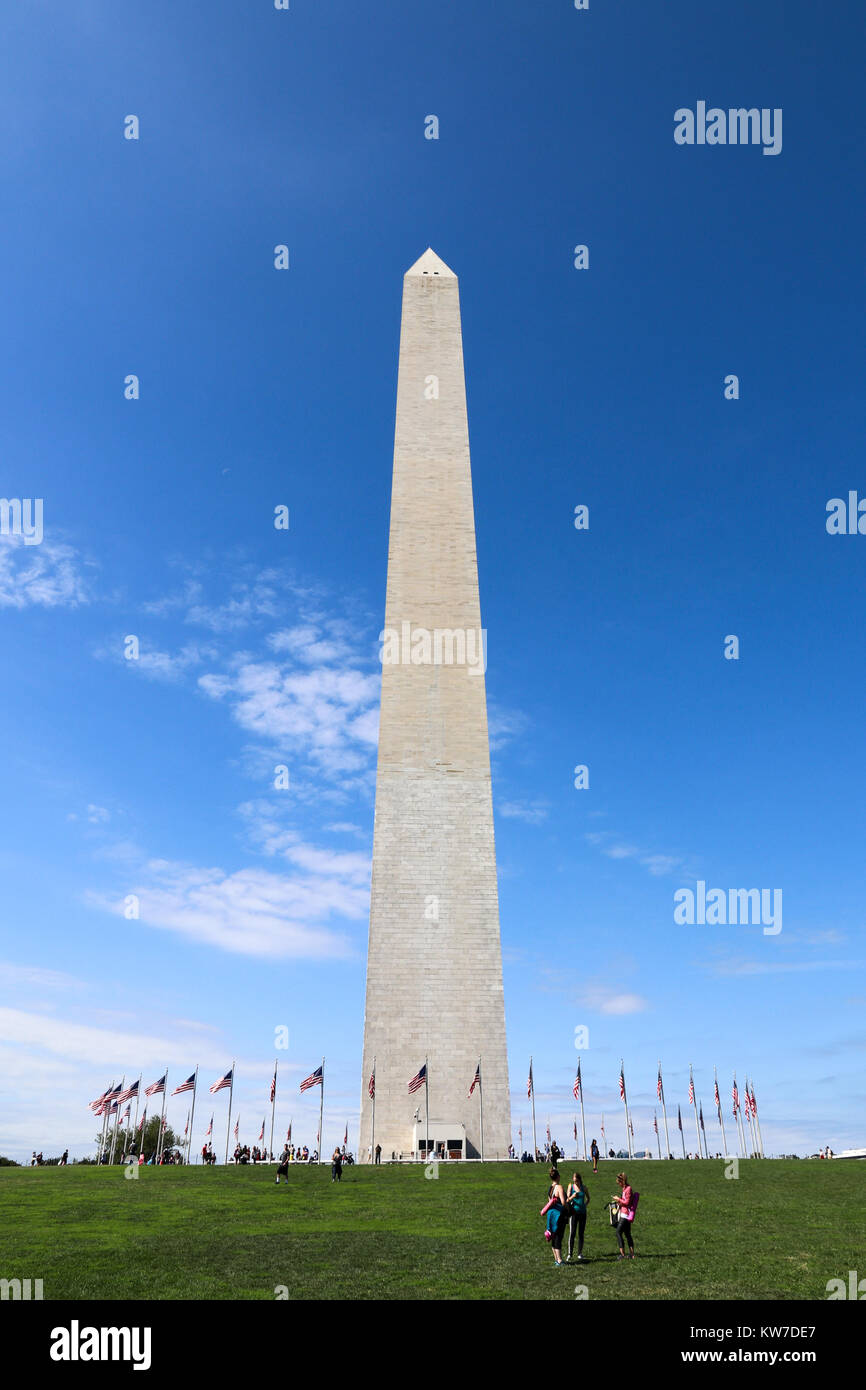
(474, 1232)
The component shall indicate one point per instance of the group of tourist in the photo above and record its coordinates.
(566, 1209)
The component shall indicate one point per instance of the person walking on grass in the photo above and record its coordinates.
(577, 1198)
(283, 1167)
(556, 1215)
(627, 1205)
(593, 1149)
(336, 1166)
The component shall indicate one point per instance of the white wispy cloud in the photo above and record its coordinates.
(771, 967)
(254, 911)
(533, 812)
(614, 848)
(329, 715)
(49, 575)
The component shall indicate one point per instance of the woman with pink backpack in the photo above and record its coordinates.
(627, 1206)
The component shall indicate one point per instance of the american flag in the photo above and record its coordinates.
(126, 1113)
(314, 1079)
(575, 1131)
(142, 1120)
(95, 1104)
(273, 1088)
(372, 1086)
(188, 1085)
(576, 1087)
(548, 1134)
(209, 1129)
(261, 1133)
(655, 1122)
(164, 1124)
(289, 1135)
(346, 1135)
(418, 1080)
(529, 1084)
(156, 1087)
(129, 1094)
(113, 1108)
(631, 1127)
(716, 1094)
(659, 1087)
(621, 1084)
(735, 1095)
(476, 1079)
(108, 1100)
(237, 1127)
(753, 1102)
(702, 1118)
(223, 1082)
(186, 1127)
(691, 1090)
(679, 1119)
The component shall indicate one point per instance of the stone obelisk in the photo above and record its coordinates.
(434, 969)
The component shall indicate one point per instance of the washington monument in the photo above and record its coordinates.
(434, 968)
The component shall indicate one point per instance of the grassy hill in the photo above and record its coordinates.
(474, 1232)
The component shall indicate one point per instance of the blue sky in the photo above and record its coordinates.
(258, 647)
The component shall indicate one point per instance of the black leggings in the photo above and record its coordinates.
(577, 1222)
(623, 1228)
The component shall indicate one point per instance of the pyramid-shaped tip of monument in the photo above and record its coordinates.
(431, 264)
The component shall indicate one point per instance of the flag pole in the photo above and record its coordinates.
(719, 1111)
(625, 1103)
(273, 1108)
(137, 1098)
(738, 1119)
(582, 1116)
(680, 1124)
(664, 1113)
(427, 1108)
(658, 1136)
(116, 1122)
(706, 1150)
(105, 1110)
(694, 1101)
(321, 1111)
(757, 1121)
(192, 1117)
(532, 1092)
(752, 1135)
(743, 1132)
(161, 1127)
(229, 1120)
(481, 1107)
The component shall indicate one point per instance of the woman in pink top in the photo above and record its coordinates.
(626, 1216)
